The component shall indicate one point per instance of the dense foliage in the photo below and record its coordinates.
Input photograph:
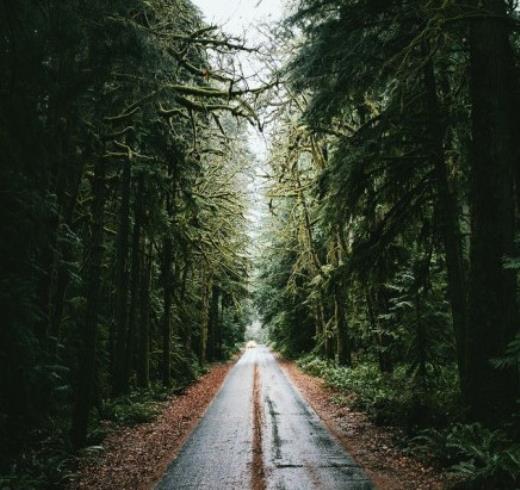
(394, 197)
(123, 252)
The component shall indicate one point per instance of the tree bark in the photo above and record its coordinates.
(120, 380)
(213, 323)
(321, 334)
(186, 331)
(61, 275)
(343, 347)
(448, 213)
(220, 327)
(135, 276)
(204, 320)
(87, 354)
(143, 351)
(167, 277)
(492, 302)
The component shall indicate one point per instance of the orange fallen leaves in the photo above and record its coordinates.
(372, 447)
(136, 457)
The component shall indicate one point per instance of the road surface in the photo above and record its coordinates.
(259, 433)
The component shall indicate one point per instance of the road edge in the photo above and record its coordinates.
(382, 476)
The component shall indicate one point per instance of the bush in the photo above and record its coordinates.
(132, 413)
(397, 398)
(136, 408)
(47, 464)
(481, 457)
(372, 392)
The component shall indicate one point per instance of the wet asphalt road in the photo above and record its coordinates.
(298, 452)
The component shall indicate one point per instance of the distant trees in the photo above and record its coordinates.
(122, 188)
(399, 150)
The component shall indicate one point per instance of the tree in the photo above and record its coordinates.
(493, 316)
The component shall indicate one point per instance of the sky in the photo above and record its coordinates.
(242, 18)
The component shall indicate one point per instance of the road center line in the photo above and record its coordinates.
(258, 473)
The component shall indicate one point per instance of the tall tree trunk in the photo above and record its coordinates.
(385, 365)
(492, 302)
(376, 295)
(135, 276)
(220, 327)
(330, 327)
(213, 321)
(87, 354)
(343, 347)
(61, 275)
(378, 303)
(204, 321)
(61, 171)
(143, 354)
(448, 213)
(167, 277)
(321, 334)
(120, 380)
(186, 332)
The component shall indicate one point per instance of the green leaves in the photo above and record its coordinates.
(482, 457)
(511, 357)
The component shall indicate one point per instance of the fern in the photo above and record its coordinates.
(482, 457)
(511, 357)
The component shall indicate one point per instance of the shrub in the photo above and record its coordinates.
(481, 457)
(397, 398)
(48, 464)
(133, 409)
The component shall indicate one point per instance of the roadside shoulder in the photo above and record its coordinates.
(136, 457)
(371, 447)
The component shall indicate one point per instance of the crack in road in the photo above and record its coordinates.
(276, 436)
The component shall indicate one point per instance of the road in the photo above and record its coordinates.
(259, 433)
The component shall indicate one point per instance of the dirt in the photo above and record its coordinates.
(374, 448)
(136, 457)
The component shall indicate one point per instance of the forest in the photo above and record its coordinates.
(387, 257)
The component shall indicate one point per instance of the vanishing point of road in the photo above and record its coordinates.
(259, 433)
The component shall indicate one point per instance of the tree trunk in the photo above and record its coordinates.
(376, 303)
(135, 276)
(143, 354)
(220, 327)
(186, 332)
(120, 381)
(213, 321)
(166, 320)
(374, 324)
(315, 267)
(343, 347)
(448, 213)
(87, 352)
(61, 275)
(492, 302)
(204, 321)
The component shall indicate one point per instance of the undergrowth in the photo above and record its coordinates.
(429, 410)
(49, 461)
(399, 398)
(481, 457)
